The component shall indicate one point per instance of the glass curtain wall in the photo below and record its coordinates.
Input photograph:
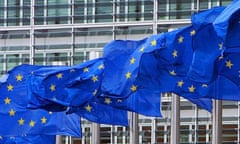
(48, 12)
(58, 45)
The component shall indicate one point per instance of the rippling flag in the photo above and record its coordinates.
(74, 88)
(122, 83)
(49, 85)
(214, 73)
(173, 62)
(17, 120)
(207, 46)
(224, 23)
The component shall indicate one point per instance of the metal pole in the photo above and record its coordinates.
(155, 16)
(153, 131)
(95, 133)
(134, 139)
(196, 125)
(95, 127)
(217, 122)
(175, 120)
(31, 33)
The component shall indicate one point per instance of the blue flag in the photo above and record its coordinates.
(207, 46)
(122, 83)
(74, 88)
(214, 73)
(223, 22)
(29, 139)
(50, 85)
(17, 120)
(171, 64)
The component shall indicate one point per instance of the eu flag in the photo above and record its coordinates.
(49, 85)
(172, 64)
(215, 68)
(74, 88)
(223, 22)
(122, 83)
(17, 120)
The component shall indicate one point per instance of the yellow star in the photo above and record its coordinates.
(180, 83)
(175, 53)
(101, 66)
(95, 78)
(43, 120)
(86, 69)
(220, 46)
(88, 108)
(191, 89)
(180, 39)
(132, 61)
(10, 87)
(12, 112)
(94, 92)
(172, 73)
(19, 77)
(52, 87)
(193, 32)
(133, 88)
(128, 75)
(32, 123)
(142, 49)
(21, 121)
(229, 64)
(7, 100)
(153, 42)
(60, 75)
(107, 100)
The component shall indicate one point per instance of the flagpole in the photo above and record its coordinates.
(95, 133)
(217, 122)
(95, 126)
(175, 119)
(134, 138)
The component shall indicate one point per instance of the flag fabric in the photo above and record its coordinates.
(17, 120)
(121, 61)
(94, 111)
(122, 85)
(223, 22)
(207, 46)
(29, 139)
(51, 84)
(214, 73)
(173, 62)
(75, 89)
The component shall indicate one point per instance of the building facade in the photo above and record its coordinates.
(68, 32)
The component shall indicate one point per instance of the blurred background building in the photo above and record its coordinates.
(68, 32)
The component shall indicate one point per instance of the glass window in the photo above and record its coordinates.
(146, 134)
(13, 12)
(79, 12)
(180, 9)
(58, 12)
(162, 10)
(103, 11)
(12, 60)
(2, 62)
(105, 135)
(148, 10)
(57, 59)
